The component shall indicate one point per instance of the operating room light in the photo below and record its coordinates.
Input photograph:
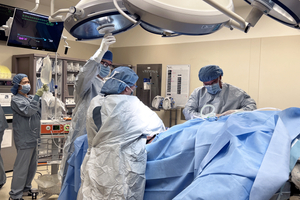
(178, 17)
(284, 11)
(281, 14)
(158, 31)
(94, 16)
(92, 19)
(88, 30)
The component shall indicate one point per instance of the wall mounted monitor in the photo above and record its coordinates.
(34, 31)
(5, 13)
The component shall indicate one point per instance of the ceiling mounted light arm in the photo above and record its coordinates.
(37, 2)
(233, 24)
(52, 7)
(123, 13)
(241, 23)
(57, 17)
(259, 8)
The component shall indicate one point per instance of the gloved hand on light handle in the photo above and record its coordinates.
(107, 40)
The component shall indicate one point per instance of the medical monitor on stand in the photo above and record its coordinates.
(34, 31)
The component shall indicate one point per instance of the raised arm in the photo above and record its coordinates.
(91, 68)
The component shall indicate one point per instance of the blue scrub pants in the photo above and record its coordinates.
(2, 172)
(24, 170)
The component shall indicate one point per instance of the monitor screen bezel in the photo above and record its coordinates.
(8, 42)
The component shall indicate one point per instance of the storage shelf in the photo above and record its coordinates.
(27, 64)
(53, 73)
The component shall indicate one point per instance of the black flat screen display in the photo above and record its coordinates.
(34, 31)
(5, 13)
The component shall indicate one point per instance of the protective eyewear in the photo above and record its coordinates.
(134, 87)
(106, 64)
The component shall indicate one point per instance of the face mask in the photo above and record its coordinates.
(213, 89)
(104, 71)
(25, 88)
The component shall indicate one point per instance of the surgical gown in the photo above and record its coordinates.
(87, 86)
(230, 98)
(3, 126)
(240, 156)
(114, 166)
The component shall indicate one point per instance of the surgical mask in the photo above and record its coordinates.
(25, 88)
(104, 71)
(213, 89)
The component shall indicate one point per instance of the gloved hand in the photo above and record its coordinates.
(107, 40)
(40, 92)
(46, 87)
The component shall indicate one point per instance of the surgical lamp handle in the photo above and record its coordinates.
(243, 24)
(37, 2)
(123, 13)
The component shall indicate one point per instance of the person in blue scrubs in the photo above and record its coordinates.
(3, 126)
(26, 129)
(226, 98)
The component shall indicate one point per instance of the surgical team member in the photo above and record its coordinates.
(226, 98)
(3, 126)
(26, 127)
(88, 85)
(117, 126)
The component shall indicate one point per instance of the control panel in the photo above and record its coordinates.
(55, 127)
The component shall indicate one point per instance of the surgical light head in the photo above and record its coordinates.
(284, 11)
(177, 17)
(158, 31)
(97, 18)
(209, 73)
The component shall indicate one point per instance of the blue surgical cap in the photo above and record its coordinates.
(16, 81)
(108, 56)
(209, 73)
(119, 79)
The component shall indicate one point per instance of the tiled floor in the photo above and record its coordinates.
(4, 191)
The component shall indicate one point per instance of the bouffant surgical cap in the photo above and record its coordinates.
(16, 81)
(119, 79)
(209, 73)
(108, 56)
